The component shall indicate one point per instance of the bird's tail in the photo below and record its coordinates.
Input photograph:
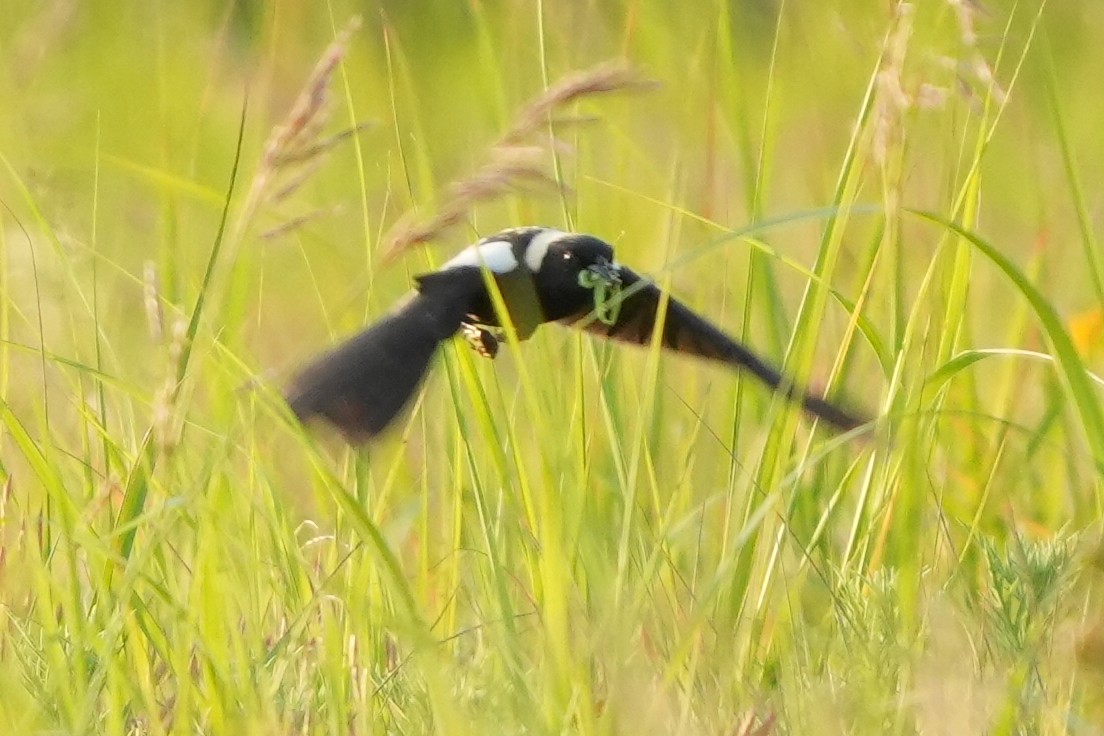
(839, 417)
(362, 385)
(708, 341)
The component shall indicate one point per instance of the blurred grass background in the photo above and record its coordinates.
(575, 538)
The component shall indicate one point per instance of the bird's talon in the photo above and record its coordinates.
(482, 340)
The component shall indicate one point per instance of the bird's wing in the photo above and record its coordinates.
(361, 385)
(687, 332)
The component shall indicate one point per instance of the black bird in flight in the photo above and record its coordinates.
(543, 275)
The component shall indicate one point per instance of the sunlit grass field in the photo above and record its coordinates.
(899, 203)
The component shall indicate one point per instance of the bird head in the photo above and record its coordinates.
(575, 274)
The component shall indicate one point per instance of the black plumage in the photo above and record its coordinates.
(544, 275)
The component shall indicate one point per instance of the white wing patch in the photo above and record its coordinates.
(497, 255)
(538, 247)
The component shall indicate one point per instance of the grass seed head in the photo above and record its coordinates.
(517, 162)
(296, 147)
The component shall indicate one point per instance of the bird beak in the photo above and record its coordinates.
(608, 271)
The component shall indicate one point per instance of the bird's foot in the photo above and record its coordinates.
(481, 339)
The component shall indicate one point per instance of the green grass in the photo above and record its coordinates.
(577, 537)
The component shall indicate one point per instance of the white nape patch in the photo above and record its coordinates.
(497, 255)
(538, 247)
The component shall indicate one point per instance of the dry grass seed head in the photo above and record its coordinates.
(892, 101)
(151, 299)
(513, 166)
(510, 169)
(294, 147)
(966, 13)
(290, 226)
(309, 112)
(601, 79)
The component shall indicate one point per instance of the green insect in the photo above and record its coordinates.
(607, 293)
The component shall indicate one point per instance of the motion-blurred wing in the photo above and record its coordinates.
(684, 331)
(361, 385)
